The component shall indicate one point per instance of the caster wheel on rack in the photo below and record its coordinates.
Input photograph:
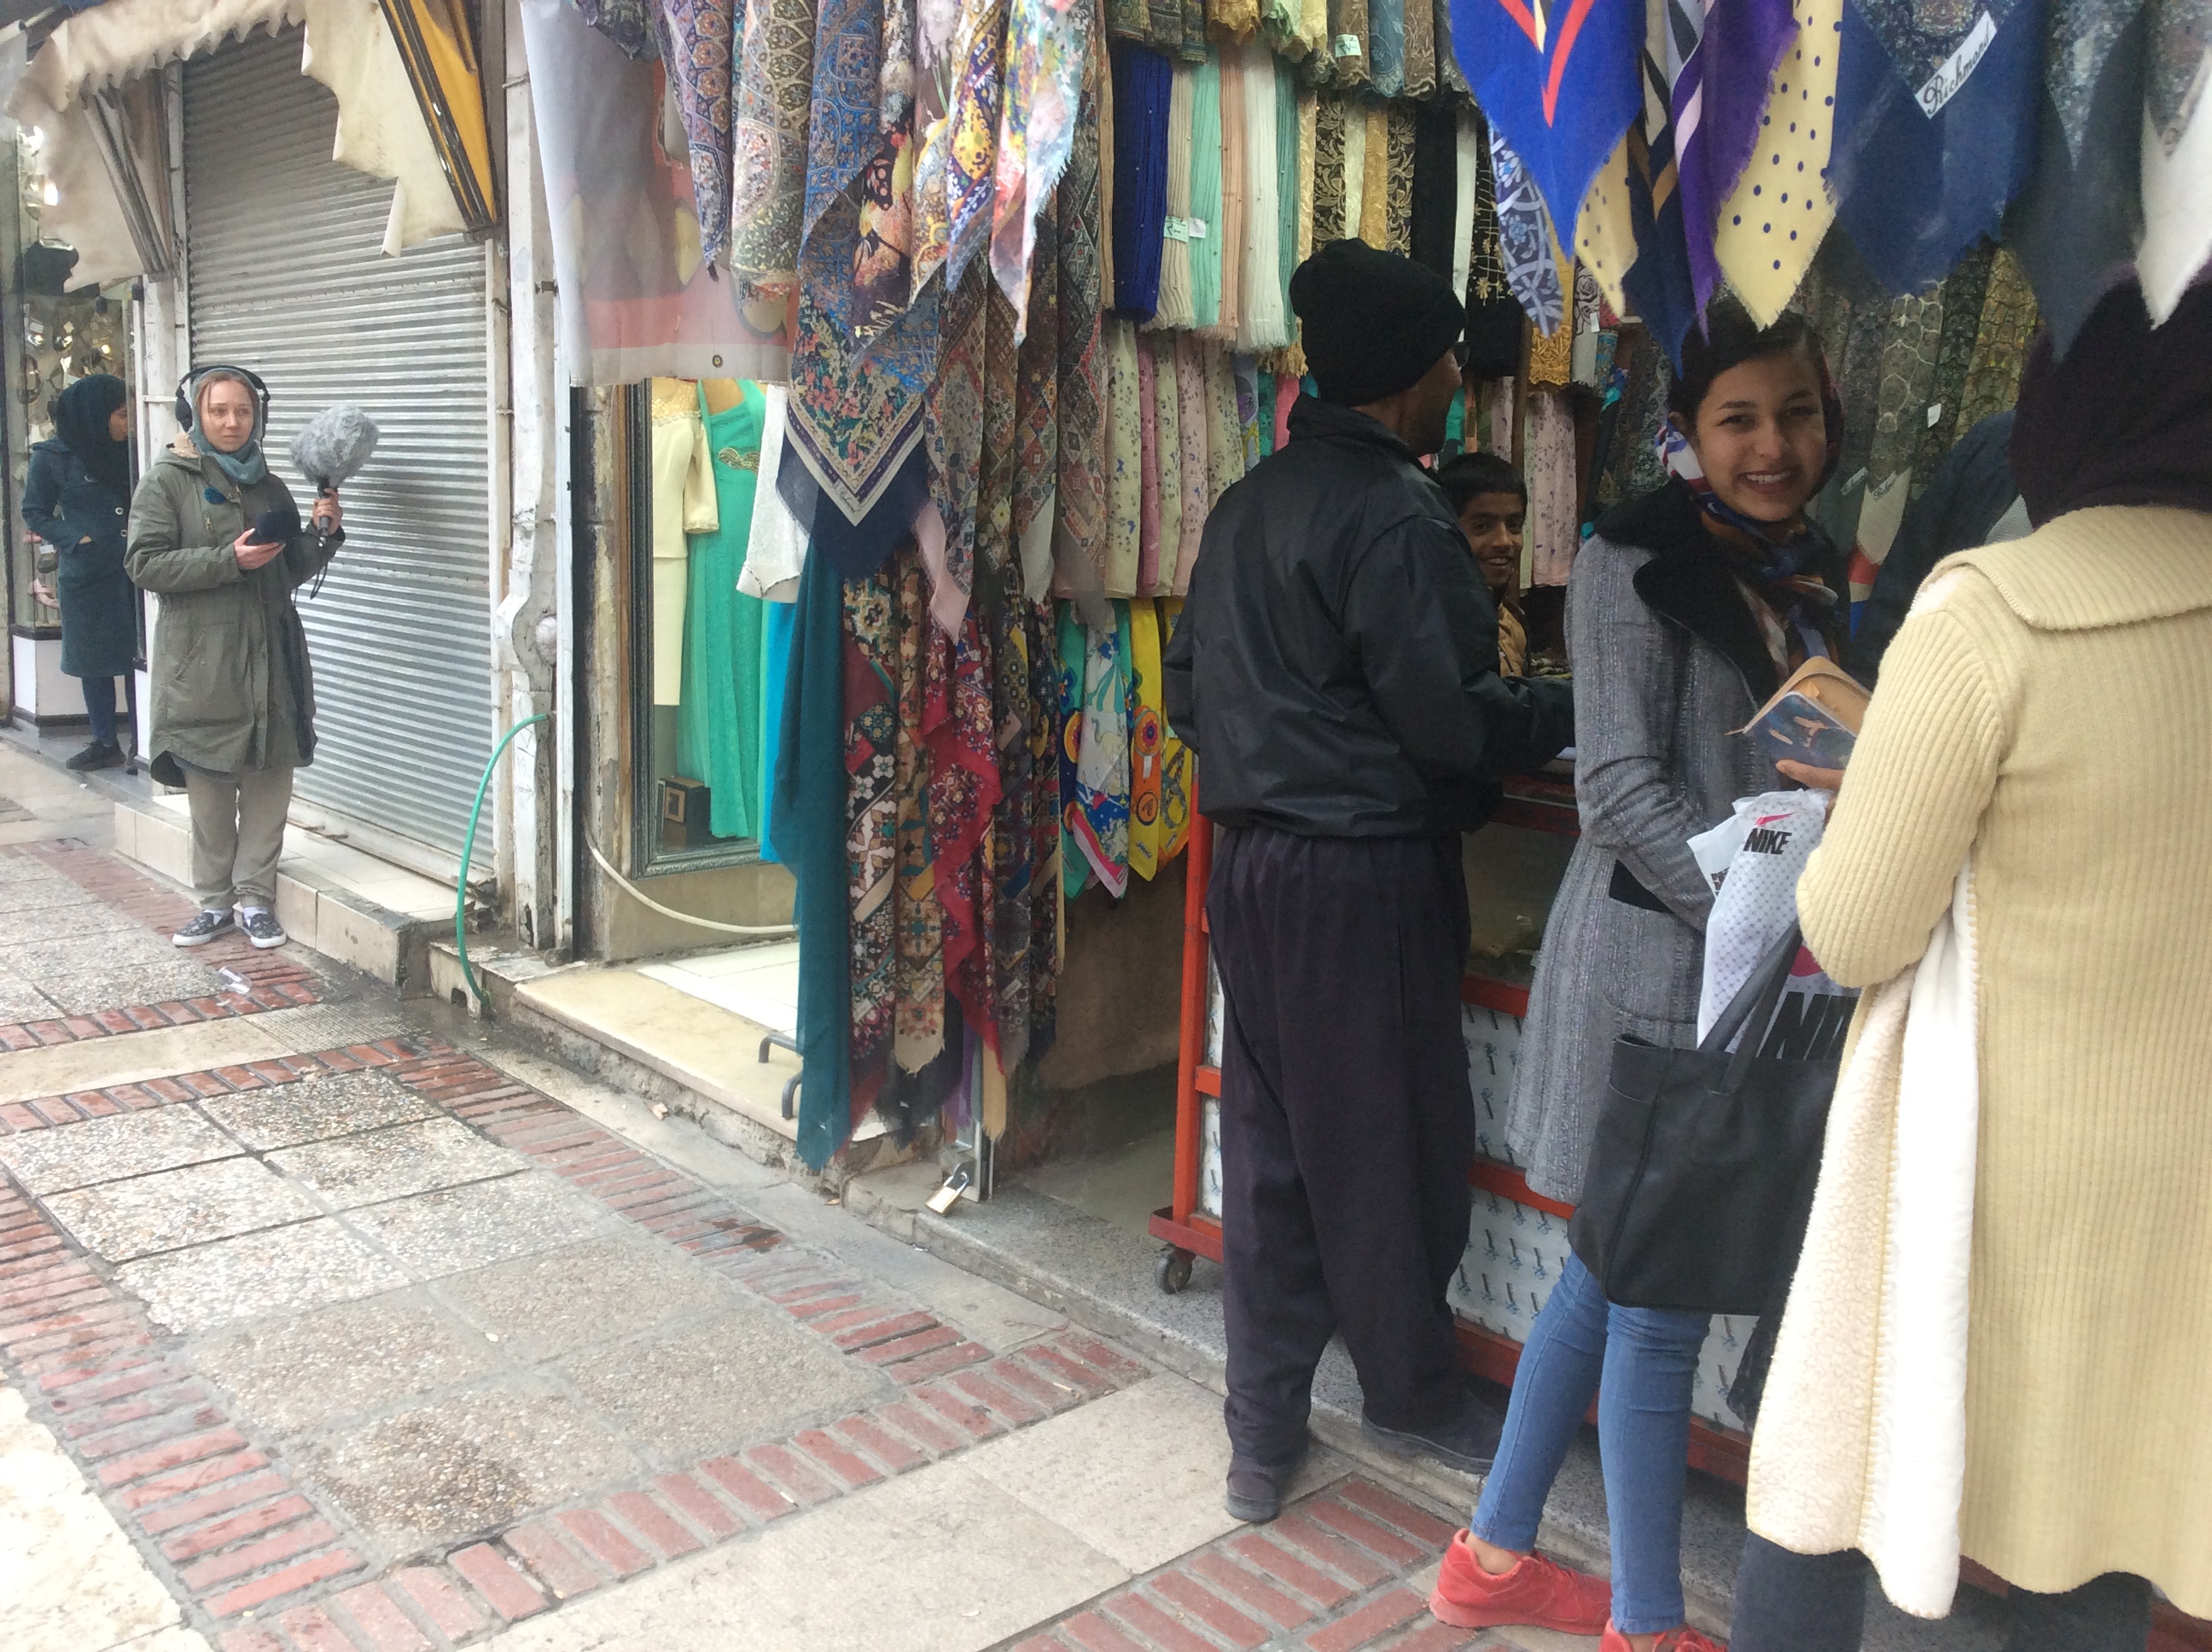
(1174, 1271)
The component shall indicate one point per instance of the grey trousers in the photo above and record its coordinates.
(238, 832)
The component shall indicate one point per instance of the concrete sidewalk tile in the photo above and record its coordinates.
(292, 1375)
(390, 1163)
(1143, 1506)
(52, 1161)
(454, 1228)
(170, 1209)
(311, 1110)
(308, 1265)
(505, 1589)
(714, 1378)
(133, 1057)
(70, 1575)
(974, 1568)
(599, 1290)
(462, 1463)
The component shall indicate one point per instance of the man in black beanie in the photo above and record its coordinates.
(1336, 667)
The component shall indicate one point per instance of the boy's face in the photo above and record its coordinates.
(1492, 524)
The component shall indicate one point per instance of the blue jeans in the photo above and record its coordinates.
(1647, 1360)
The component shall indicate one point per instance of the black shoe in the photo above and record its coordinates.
(1468, 1442)
(101, 754)
(262, 928)
(1254, 1492)
(205, 928)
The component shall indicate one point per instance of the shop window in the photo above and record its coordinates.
(51, 335)
(697, 712)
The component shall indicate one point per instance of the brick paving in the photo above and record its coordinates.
(272, 1565)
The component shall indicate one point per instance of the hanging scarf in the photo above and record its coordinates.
(952, 433)
(1175, 290)
(1927, 156)
(1718, 64)
(1045, 46)
(244, 463)
(1325, 222)
(1560, 97)
(1102, 798)
(1764, 255)
(1525, 241)
(1234, 192)
(1142, 98)
(810, 804)
(1016, 847)
(702, 44)
(775, 78)
(1261, 324)
(1036, 418)
(2177, 154)
(871, 736)
(1349, 44)
(1129, 403)
(1398, 179)
(1178, 763)
(1420, 49)
(2002, 333)
(919, 1030)
(1435, 192)
(971, 150)
(81, 416)
(1202, 239)
(963, 791)
(1146, 731)
(1386, 41)
(1074, 864)
(1169, 443)
(632, 25)
(1194, 450)
(1375, 178)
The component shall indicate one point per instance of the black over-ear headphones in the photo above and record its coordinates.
(184, 410)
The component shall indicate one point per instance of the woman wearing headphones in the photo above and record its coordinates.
(217, 537)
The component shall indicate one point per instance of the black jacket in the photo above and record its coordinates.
(1970, 491)
(1336, 664)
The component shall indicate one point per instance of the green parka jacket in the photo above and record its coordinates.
(232, 688)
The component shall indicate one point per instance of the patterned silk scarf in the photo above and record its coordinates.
(769, 142)
(702, 45)
(1045, 49)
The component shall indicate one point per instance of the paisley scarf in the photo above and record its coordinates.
(972, 123)
(1525, 239)
(702, 42)
(769, 141)
(1036, 418)
(918, 1032)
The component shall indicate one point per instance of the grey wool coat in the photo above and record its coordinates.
(1667, 660)
(232, 687)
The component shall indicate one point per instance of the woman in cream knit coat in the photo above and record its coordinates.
(2048, 706)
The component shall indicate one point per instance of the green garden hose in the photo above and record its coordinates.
(468, 847)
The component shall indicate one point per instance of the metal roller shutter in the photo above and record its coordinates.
(287, 279)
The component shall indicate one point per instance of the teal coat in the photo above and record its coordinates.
(83, 522)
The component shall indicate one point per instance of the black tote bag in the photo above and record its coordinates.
(1700, 1156)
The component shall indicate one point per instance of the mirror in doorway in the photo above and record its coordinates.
(702, 716)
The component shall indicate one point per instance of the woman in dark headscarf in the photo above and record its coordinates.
(75, 498)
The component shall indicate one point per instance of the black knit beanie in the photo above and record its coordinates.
(1375, 322)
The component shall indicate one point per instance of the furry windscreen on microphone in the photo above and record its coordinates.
(334, 445)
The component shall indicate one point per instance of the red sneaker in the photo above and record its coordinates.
(1538, 1594)
(1684, 1639)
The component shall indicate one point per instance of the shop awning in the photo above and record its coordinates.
(436, 49)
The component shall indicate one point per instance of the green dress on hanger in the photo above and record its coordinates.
(717, 727)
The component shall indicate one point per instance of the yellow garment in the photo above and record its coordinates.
(1605, 235)
(1374, 178)
(2048, 705)
(1145, 734)
(1512, 643)
(1552, 358)
(683, 503)
(1765, 242)
(1178, 763)
(1355, 170)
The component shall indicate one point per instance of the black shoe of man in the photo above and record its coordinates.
(101, 754)
(1254, 1491)
(1468, 1442)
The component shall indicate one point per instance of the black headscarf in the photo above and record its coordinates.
(2126, 418)
(81, 420)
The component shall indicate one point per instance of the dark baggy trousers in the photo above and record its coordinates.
(1347, 1127)
(1787, 1602)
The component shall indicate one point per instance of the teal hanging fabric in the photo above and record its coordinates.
(718, 724)
(1204, 224)
(810, 825)
(775, 671)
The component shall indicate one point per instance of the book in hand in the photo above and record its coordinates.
(1814, 718)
